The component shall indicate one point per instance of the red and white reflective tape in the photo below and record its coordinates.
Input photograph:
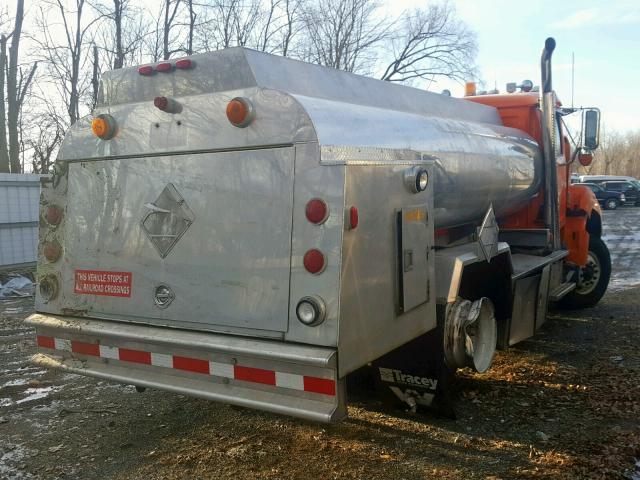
(325, 386)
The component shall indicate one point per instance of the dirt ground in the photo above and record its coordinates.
(565, 404)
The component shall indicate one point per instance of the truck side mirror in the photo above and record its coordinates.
(591, 129)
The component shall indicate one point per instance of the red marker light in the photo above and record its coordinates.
(353, 218)
(52, 251)
(161, 103)
(53, 215)
(146, 70)
(164, 67)
(317, 211)
(184, 64)
(167, 104)
(314, 261)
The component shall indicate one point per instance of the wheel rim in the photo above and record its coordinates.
(589, 275)
(611, 204)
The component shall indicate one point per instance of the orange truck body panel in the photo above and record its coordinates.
(576, 203)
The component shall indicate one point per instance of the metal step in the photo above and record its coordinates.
(561, 290)
(525, 265)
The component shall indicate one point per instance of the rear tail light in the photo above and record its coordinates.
(52, 251)
(240, 112)
(311, 311)
(53, 215)
(146, 70)
(317, 211)
(48, 288)
(314, 261)
(164, 67)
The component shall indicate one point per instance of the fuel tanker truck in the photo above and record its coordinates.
(259, 231)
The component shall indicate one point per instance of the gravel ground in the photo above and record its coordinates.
(564, 404)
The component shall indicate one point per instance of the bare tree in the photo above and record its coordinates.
(230, 23)
(5, 164)
(618, 154)
(344, 34)
(121, 36)
(95, 78)
(66, 60)
(192, 25)
(16, 82)
(170, 11)
(431, 42)
(292, 25)
(43, 141)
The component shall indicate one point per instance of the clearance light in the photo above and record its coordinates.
(240, 112)
(146, 70)
(48, 288)
(104, 126)
(470, 89)
(164, 67)
(314, 261)
(53, 215)
(317, 211)
(52, 251)
(184, 64)
(311, 311)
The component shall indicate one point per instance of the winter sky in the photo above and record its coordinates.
(603, 35)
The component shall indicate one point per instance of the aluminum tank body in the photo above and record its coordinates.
(478, 161)
(363, 121)
(355, 120)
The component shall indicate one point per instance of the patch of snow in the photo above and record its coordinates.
(36, 394)
(10, 455)
(15, 383)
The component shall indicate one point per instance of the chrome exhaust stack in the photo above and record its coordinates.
(548, 106)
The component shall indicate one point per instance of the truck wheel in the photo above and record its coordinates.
(593, 277)
(611, 204)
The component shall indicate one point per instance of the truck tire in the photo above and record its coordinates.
(593, 277)
(611, 204)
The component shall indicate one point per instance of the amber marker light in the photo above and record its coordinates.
(240, 112)
(103, 126)
(470, 89)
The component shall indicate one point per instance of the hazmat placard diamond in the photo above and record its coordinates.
(167, 219)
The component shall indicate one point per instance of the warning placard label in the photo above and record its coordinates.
(96, 282)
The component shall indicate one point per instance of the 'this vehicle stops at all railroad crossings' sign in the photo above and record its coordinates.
(96, 282)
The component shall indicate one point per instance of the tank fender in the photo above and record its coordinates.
(463, 272)
(584, 217)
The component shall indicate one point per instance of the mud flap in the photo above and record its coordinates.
(413, 376)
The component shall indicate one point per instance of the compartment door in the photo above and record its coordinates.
(413, 256)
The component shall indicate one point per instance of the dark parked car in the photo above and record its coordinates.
(630, 190)
(609, 199)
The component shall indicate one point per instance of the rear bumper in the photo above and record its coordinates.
(294, 380)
